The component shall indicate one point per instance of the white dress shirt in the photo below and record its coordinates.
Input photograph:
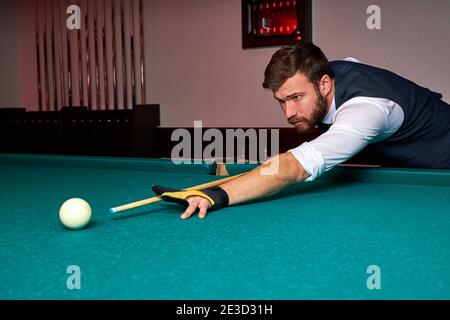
(357, 123)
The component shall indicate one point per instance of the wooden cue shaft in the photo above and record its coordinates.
(140, 203)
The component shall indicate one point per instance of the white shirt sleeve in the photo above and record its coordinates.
(357, 123)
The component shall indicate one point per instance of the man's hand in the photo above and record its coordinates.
(196, 202)
(202, 200)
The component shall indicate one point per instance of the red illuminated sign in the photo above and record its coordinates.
(271, 23)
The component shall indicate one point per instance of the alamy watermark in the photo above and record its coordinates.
(374, 280)
(222, 147)
(73, 282)
(74, 20)
(374, 20)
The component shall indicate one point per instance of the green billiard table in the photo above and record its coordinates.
(355, 233)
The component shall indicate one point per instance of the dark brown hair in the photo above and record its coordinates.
(306, 58)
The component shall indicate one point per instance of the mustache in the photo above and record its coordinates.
(293, 120)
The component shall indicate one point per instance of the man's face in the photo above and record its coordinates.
(302, 103)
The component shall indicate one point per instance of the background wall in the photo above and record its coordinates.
(414, 39)
(200, 71)
(10, 71)
(197, 70)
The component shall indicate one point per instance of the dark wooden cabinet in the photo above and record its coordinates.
(77, 130)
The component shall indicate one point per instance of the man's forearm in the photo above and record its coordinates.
(264, 181)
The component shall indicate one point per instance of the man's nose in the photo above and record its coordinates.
(290, 109)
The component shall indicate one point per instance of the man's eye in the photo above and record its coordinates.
(296, 98)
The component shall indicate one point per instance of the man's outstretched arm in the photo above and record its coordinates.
(267, 179)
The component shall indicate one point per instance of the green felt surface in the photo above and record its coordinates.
(315, 241)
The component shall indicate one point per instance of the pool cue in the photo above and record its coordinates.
(157, 198)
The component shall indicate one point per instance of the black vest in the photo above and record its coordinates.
(423, 139)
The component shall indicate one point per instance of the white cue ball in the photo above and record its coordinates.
(75, 213)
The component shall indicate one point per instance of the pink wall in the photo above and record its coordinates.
(18, 76)
(9, 55)
(413, 40)
(28, 64)
(199, 70)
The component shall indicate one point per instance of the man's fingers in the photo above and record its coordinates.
(203, 207)
(191, 209)
(195, 203)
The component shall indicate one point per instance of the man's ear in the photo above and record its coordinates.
(325, 85)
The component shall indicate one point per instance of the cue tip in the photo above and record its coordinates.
(112, 211)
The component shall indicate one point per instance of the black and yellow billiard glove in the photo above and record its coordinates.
(216, 196)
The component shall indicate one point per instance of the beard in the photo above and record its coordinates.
(303, 124)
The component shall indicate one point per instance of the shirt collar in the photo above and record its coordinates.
(328, 119)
